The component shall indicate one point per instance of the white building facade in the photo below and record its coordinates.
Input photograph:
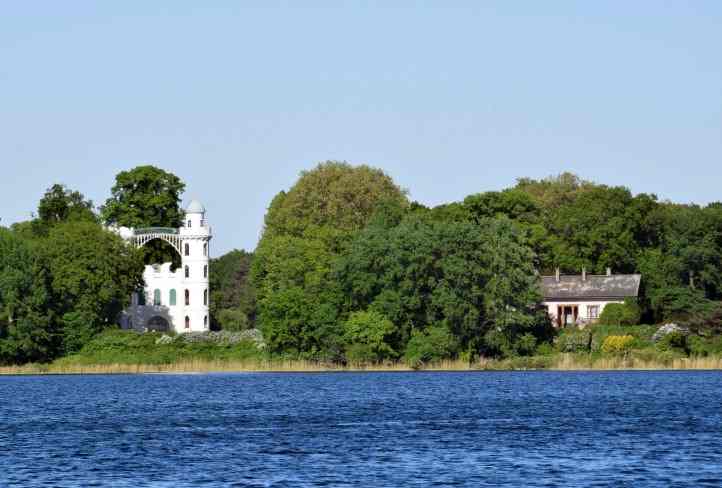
(580, 299)
(174, 300)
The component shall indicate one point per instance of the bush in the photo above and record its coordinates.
(627, 313)
(617, 344)
(432, 344)
(233, 319)
(674, 341)
(365, 334)
(574, 340)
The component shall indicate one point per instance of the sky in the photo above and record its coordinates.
(449, 97)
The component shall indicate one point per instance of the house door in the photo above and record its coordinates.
(567, 315)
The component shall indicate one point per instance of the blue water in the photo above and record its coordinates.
(368, 429)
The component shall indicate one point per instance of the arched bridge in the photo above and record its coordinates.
(141, 237)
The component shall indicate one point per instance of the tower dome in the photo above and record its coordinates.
(195, 207)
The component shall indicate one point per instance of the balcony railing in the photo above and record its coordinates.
(155, 230)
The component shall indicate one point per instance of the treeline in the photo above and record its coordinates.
(64, 277)
(349, 269)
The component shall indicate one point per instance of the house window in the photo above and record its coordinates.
(141, 298)
(205, 249)
(172, 298)
(156, 297)
(187, 249)
(188, 272)
(205, 297)
(188, 224)
(593, 311)
(205, 322)
(188, 297)
(188, 322)
(205, 271)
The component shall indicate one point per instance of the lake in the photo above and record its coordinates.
(363, 429)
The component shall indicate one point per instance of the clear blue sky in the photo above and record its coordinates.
(451, 98)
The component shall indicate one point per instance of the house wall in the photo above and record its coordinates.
(583, 308)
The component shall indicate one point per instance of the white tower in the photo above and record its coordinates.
(195, 239)
(174, 300)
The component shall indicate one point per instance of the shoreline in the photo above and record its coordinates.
(566, 362)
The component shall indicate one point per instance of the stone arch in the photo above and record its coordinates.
(158, 323)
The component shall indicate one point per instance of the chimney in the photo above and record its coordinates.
(609, 271)
(584, 274)
(557, 275)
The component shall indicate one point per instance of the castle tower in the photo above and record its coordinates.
(173, 299)
(195, 238)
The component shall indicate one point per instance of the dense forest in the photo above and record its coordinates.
(349, 269)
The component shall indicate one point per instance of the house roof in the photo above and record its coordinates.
(594, 287)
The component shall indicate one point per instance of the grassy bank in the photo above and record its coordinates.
(560, 362)
(127, 352)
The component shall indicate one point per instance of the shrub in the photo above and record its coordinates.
(365, 334)
(233, 319)
(574, 340)
(525, 345)
(617, 344)
(674, 341)
(627, 313)
(432, 344)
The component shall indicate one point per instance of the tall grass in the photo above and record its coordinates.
(560, 362)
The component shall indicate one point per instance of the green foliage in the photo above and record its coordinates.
(307, 229)
(431, 344)
(233, 299)
(572, 339)
(464, 276)
(366, 334)
(114, 346)
(145, 196)
(674, 341)
(333, 194)
(627, 313)
(93, 273)
(27, 329)
(60, 204)
(233, 319)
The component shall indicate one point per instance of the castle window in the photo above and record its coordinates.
(205, 297)
(188, 322)
(172, 298)
(188, 272)
(188, 297)
(187, 249)
(205, 271)
(156, 297)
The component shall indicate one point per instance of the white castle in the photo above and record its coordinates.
(173, 300)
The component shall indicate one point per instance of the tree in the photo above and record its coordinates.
(306, 230)
(333, 194)
(60, 204)
(232, 294)
(465, 277)
(366, 333)
(92, 275)
(145, 196)
(26, 319)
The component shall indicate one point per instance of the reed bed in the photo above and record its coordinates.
(561, 362)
